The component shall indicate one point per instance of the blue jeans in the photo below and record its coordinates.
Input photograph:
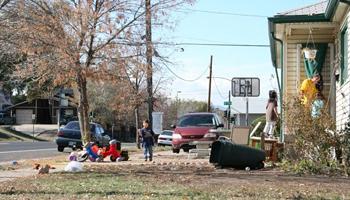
(148, 150)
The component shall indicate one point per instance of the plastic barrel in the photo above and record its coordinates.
(228, 154)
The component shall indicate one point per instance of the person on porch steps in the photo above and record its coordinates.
(271, 114)
(308, 90)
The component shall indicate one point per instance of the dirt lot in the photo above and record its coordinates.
(169, 176)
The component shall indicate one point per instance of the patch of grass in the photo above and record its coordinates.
(6, 137)
(96, 186)
(101, 184)
(48, 135)
(18, 135)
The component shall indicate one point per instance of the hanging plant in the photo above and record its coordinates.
(310, 53)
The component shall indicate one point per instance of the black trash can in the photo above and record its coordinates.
(227, 154)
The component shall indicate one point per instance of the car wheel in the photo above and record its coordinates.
(186, 150)
(60, 148)
(176, 150)
(260, 165)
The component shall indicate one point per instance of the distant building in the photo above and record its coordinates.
(256, 109)
(46, 110)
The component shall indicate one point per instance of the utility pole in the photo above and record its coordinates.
(210, 76)
(229, 109)
(246, 87)
(149, 53)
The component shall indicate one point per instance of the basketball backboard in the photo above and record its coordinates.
(245, 86)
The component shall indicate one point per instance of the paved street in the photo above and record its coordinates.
(33, 150)
(26, 150)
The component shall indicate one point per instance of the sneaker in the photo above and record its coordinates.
(150, 159)
(145, 159)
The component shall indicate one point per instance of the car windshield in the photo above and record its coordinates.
(75, 126)
(196, 120)
(169, 133)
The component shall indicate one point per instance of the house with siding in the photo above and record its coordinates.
(43, 110)
(324, 26)
(46, 110)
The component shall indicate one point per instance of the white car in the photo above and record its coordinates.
(165, 138)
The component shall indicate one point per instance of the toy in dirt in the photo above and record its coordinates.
(96, 154)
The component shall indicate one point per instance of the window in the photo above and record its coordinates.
(197, 120)
(100, 129)
(73, 126)
(344, 55)
(169, 133)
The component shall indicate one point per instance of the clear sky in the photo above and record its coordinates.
(228, 62)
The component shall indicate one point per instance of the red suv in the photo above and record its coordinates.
(194, 127)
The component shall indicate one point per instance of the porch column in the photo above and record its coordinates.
(332, 93)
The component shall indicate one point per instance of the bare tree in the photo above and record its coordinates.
(3, 3)
(68, 42)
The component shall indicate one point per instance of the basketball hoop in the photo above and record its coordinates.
(245, 87)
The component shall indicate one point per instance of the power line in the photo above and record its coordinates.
(189, 80)
(217, 88)
(222, 13)
(194, 44)
(220, 44)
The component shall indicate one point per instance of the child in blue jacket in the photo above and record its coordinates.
(147, 135)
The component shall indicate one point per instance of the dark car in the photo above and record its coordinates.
(70, 136)
(194, 127)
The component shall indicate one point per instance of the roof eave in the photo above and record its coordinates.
(280, 19)
(272, 43)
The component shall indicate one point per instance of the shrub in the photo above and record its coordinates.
(343, 146)
(315, 138)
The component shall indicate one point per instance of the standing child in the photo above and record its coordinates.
(147, 140)
(271, 114)
(317, 106)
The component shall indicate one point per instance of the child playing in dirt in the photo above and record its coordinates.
(147, 140)
(271, 114)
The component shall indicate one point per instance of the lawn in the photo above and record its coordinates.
(6, 137)
(173, 180)
(8, 134)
